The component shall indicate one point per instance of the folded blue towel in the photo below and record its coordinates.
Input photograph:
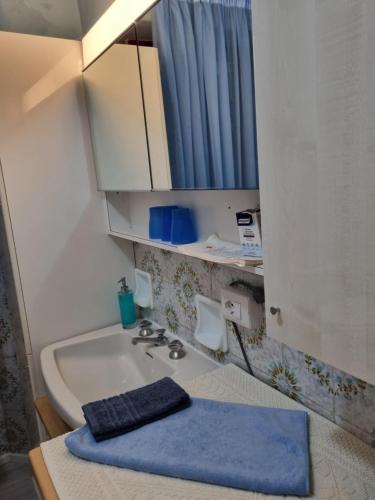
(247, 447)
(117, 415)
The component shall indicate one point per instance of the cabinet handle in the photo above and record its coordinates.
(274, 310)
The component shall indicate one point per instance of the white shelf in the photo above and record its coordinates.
(259, 270)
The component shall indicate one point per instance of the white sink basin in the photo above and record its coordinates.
(103, 363)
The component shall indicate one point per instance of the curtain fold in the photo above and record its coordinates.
(18, 432)
(205, 52)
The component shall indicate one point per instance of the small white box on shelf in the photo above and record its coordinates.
(249, 227)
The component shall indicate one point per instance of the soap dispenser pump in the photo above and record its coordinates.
(127, 306)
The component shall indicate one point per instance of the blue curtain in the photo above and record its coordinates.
(205, 51)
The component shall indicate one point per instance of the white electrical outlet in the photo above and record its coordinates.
(238, 305)
(233, 309)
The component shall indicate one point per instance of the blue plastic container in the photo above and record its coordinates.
(155, 227)
(183, 229)
(160, 222)
(167, 222)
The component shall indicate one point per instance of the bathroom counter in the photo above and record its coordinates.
(55, 427)
(52, 422)
(343, 467)
(42, 476)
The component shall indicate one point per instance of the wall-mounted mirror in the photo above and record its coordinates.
(171, 104)
(116, 114)
(200, 56)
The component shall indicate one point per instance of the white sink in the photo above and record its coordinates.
(103, 363)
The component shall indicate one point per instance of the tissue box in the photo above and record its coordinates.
(248, 223)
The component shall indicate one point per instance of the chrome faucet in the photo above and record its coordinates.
(158, 341)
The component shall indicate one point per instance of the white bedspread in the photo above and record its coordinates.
(343, 466)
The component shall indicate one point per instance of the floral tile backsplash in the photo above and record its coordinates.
(18, 432)
(346, 400)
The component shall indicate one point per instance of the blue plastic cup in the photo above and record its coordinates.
(167, 222)
(183, 230)
(155, 227)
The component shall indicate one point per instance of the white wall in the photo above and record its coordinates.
(41, 17)
(120, 15)
(68, 265)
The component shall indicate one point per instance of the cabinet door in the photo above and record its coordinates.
(155, 118)
(115, 105)
(314, 84)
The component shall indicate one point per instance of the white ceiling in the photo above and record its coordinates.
(90, 11)
(55, 18)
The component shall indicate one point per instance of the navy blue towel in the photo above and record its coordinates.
(117, 415)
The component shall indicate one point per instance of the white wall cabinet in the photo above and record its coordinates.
(195, 133)
(315, 96)
(155, 119)
(314, 81)
(117, 121)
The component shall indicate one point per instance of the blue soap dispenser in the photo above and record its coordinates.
(127, 306)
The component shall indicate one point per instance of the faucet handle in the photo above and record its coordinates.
(145, 323)
(176, 349)
(145, 328)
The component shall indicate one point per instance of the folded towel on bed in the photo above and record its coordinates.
(248, 447)
(120, 414)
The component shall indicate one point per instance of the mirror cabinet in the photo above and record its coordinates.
(172, 103)
(115, 106)
(172, 107)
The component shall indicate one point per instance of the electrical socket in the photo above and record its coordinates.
(238, 305)
(233, 309)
